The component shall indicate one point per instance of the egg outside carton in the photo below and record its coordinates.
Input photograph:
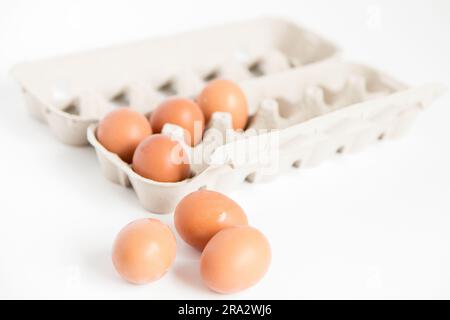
(314, 114)
(72, 92)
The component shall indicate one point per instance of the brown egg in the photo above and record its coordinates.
(160, 158)
(143, 251)
(121, 130)
(201, 214)
(182, 112)
(224, 96)
(234, 259)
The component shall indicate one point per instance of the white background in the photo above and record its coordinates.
(371, 225)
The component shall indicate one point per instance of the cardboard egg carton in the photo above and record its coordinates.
(306, 105)
(297, 118)
(71, 92)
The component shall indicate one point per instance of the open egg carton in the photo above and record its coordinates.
(71, 92)
(305, 104)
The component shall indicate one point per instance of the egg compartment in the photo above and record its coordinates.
(71, 92)
(313, 114)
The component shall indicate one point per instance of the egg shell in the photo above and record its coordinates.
(222, 95)
(182, 112)
(160, 158)
(201, 214)
(144, 250)
(235, 259)
(121, 130)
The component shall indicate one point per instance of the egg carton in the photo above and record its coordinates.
(305, 104)
(70, 93)
(298, 118)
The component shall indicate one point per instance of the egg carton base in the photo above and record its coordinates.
(306, 144)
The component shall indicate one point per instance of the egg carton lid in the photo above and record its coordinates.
(72, 91)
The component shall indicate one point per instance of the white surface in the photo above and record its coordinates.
(393, 241)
